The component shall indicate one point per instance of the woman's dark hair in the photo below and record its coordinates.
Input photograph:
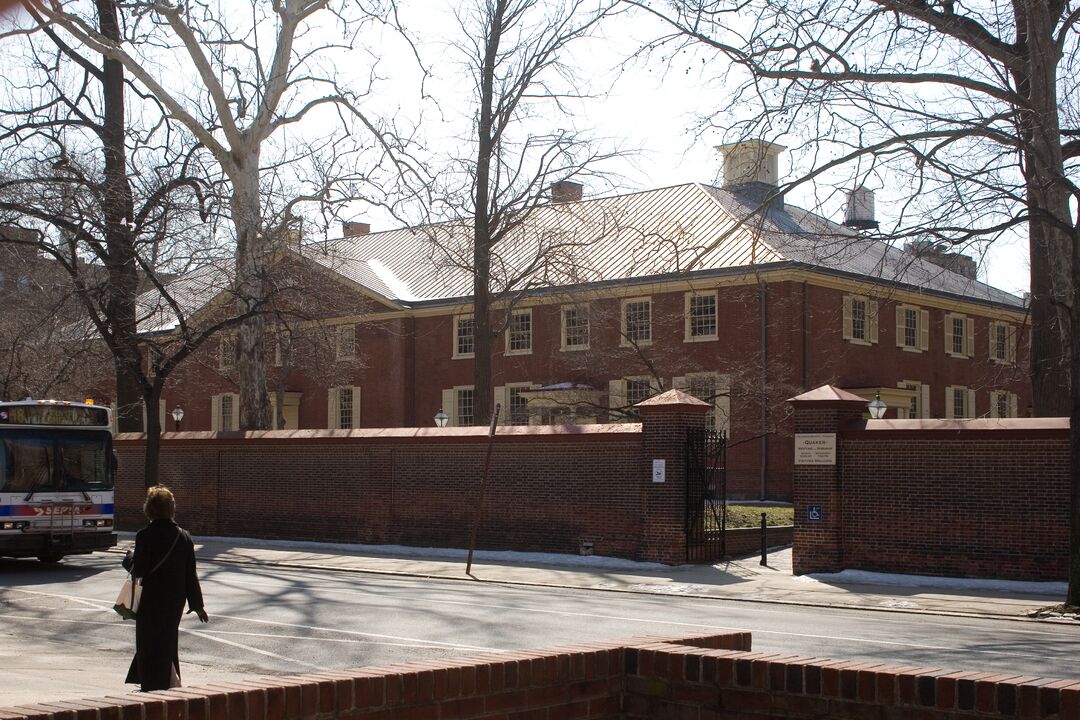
(160, 503)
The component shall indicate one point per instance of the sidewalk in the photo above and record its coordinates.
(743, 580)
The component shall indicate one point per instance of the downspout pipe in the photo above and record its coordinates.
(763, 296)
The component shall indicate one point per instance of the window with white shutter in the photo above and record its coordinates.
(343, 407)
(860, 322)
(225, 412)
(912, 328)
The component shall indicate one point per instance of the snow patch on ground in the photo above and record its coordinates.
(864, 577)
(504, 557)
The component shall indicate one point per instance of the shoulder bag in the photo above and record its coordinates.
(127, 602)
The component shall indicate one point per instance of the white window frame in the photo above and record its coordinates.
(688, 325)
(968, 395)
(922, 328)
(624, 339)
(456, 354)
(967, 339)
(996, 396)
(521, 312)
(345, 342)
(719, 417)
(617, 397)
(333, 407)
(503, 396)
(922, 400)
(450, 403)
(870, 320)
(215, 412)
(581, 311)
(1009, 357)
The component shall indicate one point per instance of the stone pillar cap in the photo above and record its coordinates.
(827, 393)
(671, 398)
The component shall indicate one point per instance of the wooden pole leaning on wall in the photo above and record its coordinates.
(483, 485)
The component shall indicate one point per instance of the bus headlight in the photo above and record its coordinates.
(97, 523)
(13, 525)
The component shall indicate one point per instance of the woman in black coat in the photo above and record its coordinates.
(165, 560)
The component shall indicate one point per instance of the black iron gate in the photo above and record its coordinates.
(706, 493)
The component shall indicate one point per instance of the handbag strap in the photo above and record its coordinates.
(166, 557)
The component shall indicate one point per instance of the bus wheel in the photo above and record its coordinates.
(50, 558)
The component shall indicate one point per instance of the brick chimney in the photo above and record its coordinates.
(566, 191)
(940, 255)
(350, 229)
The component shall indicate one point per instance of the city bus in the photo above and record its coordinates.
(57, 471)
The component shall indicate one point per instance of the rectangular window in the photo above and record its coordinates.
(638, 390)
(637, 321)
(918, 405)
(345, 349)
(519, 406)
(858, 319)
(575, 327)
(1002, 404)
(1002, 343)
(703, 387)
(464, 406)
(701, 323)
(912, 328)
(959, 402)
(860, 323)
(519, 333)
(345, 407)
(464, 336)
(959, 335)
(225, 412)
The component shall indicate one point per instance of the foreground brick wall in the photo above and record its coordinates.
(549, 489)
(714, 677)
(961, 498)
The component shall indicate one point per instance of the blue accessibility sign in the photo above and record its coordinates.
(813, 513)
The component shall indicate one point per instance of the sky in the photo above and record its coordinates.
(651, 108)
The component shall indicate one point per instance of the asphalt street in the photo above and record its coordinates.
(60, 638)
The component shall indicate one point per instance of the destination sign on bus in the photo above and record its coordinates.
(56, 415)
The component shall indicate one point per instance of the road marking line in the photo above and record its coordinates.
(267, 653)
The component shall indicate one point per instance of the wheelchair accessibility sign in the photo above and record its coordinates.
(813, 513)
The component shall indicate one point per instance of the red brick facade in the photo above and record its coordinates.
(405, 359)
(714, 677)
(977, 498)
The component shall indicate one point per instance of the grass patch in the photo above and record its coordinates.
(741, 516)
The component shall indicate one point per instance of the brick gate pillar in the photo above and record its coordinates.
(665, 420)
(817, 481)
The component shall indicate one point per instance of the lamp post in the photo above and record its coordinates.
(441, 418)
(877, 407)
(177, 416)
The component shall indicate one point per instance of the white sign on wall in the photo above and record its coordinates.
(659, 470)
(815, 448)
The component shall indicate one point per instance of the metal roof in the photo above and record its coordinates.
(680, 230)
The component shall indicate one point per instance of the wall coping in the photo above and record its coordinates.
(1022, 428)
(427, 434)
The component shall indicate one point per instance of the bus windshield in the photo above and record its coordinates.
(41, 461)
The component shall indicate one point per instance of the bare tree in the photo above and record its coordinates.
(245, 109)
(515, 55)
(116, 205)
(966, 108)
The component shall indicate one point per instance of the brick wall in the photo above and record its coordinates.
(960, 498)
(712, 676)
(549, 489)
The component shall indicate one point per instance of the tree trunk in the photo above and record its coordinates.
(151, 460)
(118, 208)
(253, 258)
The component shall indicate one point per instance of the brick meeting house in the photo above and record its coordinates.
(608, 301)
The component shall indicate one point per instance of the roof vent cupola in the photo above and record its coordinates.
(751, 162)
